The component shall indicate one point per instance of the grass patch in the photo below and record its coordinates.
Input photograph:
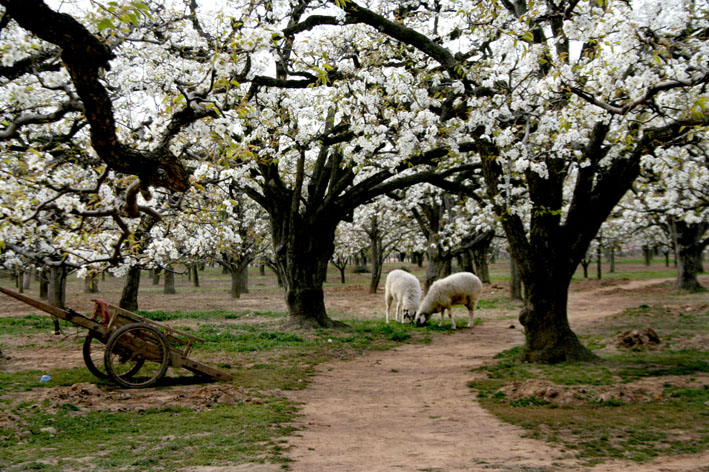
(250, 346)
(166, 439)
(673, 421)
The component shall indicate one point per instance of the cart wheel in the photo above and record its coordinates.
(94, 355)
(137, 355)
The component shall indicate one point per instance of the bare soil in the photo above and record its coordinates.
(401, 410)
(410, 409)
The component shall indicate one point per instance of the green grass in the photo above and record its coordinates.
(250, 346)
(26, 325)
(675, 422)
(166, 438)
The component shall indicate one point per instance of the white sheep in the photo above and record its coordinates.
(405, 290)
(462, 288)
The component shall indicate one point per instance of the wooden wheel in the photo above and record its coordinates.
(94, 358)
(137, 355)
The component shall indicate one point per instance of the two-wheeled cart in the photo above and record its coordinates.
(133, 351)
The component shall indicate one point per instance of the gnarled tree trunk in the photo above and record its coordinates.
(690, 245)
(129, 295)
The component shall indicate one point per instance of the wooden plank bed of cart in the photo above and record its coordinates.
(133, 351)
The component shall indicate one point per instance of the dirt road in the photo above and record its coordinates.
(410, 409)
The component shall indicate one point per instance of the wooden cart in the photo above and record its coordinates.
(133, 351)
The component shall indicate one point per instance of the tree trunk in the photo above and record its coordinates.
(435, 267)
(129, 295)
(647, 255)
(515, 281)
(611, 259)
(274, 267)
(169, 287)
(303, 258)
(235, 290)
(467, 263)
(585, 263)
(549, 336)
(342, 274)
(688, 241)
(19, 281)
(377, 255)
(480, 252)
(91, 283)
(156, 276)
(57, 291)
(43, 284)
(599, 262)
(195, 275)
(244, 278)
(27, 280)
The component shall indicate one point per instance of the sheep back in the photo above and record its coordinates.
(462, 288)
(404, 287)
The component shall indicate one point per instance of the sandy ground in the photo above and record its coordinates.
(410, 409)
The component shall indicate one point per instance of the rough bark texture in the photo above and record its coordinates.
(480, 252)
(56, 291)
(688, 239)
(375, 238)
(91, 284)
(515, 281)
(44, 283)
(235, 290)
(129, 295)
(194, 270)
(169, 287)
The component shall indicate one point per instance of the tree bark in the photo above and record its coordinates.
(129, 295)
(235, 290)
(549, 336)
(480, 252)
(375, 239)
(515, 281)
(244, 278)
(194, 269)
(690, 245)
(44, 283)
(57, 291)
(303, 263)
(647, 255)
(91, 283)
(169, 287)
(585, 263)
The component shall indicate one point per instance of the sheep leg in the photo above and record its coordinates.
(450, 314)
(388, 307)
(471, 313)
(398, 316)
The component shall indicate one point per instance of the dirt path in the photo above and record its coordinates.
(410, 409)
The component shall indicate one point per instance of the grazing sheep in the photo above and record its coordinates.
(404, 289)
(462, 288)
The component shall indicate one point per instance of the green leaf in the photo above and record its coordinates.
(104, 24)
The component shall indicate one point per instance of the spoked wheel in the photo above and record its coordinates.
(137, 355)
(94, 358)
